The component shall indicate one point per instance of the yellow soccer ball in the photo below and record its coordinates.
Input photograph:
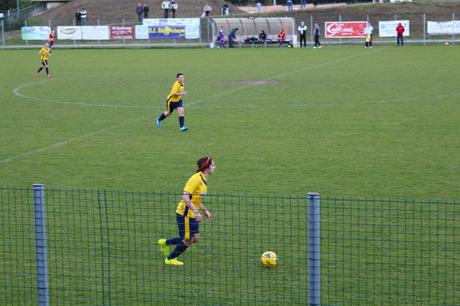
(446, 43)
(269, 259)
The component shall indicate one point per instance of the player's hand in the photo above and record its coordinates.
(208, 215)
(198, 217)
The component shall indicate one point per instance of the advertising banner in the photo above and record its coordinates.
(95, 33)
(166, 32)
(122, 32)
(388, 28)
(35, 33)
(69, 32)
(443, 27)
(142, 32)
(346, 29)
(192, 25)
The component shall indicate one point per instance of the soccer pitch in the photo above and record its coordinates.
(348, 121)
(339, 121)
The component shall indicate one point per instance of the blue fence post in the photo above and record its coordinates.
(314, 249)
(40, 244)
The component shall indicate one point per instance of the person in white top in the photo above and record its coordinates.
(302, 29)
(83, 16)
(166, 5)
(259, 6)
(368, 32)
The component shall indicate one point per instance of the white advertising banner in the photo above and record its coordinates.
(95, 33)
(142, 32)
(35, 33)
(69, 32)
(388, 28)
(443, 27)
(192, 25)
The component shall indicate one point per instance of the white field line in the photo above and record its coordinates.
(62, 143)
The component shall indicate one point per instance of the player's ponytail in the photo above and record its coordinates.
(204, 163)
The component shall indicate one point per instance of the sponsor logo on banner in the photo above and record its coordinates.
(346, 29)
(192, 25)
(122, 32)
(35, 33)
(443, 28)
(95, 33)
(69, 32)
(388, 28)
(166, 32)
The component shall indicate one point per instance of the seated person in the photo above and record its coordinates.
(262, 36)
(281, 37)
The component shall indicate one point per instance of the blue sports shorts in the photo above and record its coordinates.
(187, 226)
(171, 106)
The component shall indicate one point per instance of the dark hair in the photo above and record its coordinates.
(204, 163)
(177, 75)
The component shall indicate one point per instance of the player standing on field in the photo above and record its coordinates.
(188, 212)
(174, 101)
(44, 54)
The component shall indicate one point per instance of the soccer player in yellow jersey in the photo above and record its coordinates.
(44, 54)
(188, 213)
(174, 101)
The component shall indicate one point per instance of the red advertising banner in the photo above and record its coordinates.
(347, 29)
(122, 32)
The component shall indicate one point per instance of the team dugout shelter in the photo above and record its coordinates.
(250, 28)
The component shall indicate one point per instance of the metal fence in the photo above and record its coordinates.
(100, 248)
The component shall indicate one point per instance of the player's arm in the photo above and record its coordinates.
(206, 211)
(186, 197)
(178, 92)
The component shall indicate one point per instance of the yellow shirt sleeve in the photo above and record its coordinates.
(192, 184)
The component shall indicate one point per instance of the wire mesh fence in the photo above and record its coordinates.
(102, 250)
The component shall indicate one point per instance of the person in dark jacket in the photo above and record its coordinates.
(146, 11)
(316, 34)
(78, 18)
(232, 37)
(139, 12)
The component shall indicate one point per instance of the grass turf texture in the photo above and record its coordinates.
(341, 121)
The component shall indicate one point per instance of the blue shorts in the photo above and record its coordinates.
(171, 106)
(187, 227)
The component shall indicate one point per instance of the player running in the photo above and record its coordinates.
(174, 101)
(45, 52)
(188, 212)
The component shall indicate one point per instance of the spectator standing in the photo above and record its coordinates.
(259, 6)
(225, 9)
(289, 5)
(368, 31)
(139, 12)
(232, 37)
(315, 3)
(399, 34)
(166, 5)
(302, 4)
(302, 29)
(83, 16)
(77, 18)
(173, 8)
(316, 34)
(146, 11)
(206, 10)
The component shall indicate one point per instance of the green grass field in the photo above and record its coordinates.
(349, 121)
(340, 121)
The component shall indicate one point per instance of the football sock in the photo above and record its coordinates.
(47, 71)
(162, 117)
(181, 121)
(173, 241)
(39, 69)
(180, 248)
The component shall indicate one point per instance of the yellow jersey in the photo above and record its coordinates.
(44, 53)
(176, 88)
(197, 187)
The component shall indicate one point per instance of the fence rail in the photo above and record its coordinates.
(102, 249)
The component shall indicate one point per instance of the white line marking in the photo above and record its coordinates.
(17, 92)
(62, 143)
